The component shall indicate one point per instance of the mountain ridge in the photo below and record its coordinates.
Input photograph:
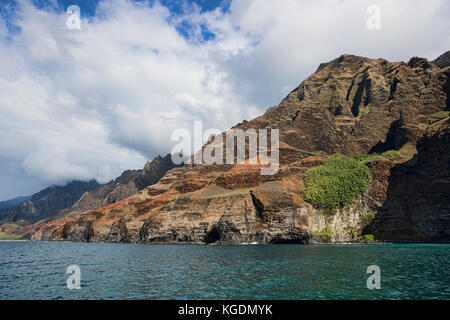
(443, 61)
(5, 204)
(127, 184)
(44, 202)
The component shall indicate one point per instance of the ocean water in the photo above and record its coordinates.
(37, 270)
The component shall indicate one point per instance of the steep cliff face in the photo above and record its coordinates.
(351, 105)
(417, 205)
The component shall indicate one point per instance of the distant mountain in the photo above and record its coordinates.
(13, 202)
(45, 202)
(76, 196)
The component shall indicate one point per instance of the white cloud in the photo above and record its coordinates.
(90, 103)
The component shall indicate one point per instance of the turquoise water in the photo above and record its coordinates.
(37, 270)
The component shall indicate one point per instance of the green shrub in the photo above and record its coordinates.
(12, 225)
(336, 183)
(10, 236)
(369, 237)
(325, 234)
(354, 234)
(366, 157)
(392, 155)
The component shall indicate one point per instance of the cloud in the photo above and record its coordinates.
(295, 36)
(90, 103)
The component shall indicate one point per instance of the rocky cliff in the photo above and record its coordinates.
(349, 106)
(417, 205)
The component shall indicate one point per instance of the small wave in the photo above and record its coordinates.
(247, 243)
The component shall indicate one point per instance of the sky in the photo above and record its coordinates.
(91, 103)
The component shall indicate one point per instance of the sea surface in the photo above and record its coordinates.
(37, 270)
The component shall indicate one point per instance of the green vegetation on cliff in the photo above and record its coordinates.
(366, 157)
(392, 155)
(369, 237)
(10, 236)
(325, 234)
(336, 183)
(13, 225)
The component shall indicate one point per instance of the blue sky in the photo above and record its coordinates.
(88, 9)
(90, 103)
(176, 6)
